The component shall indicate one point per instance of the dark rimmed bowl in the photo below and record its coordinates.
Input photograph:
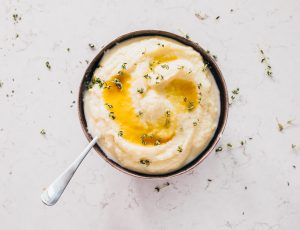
(214, 70)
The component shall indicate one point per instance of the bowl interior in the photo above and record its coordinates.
(215, 72)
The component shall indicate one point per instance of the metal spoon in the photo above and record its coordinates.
(52, 194)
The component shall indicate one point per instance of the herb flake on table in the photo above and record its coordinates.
(16, 18)
(43, 132)
(219, 149)
(229, 145)
(160, 187)
(140, 113)
(213, 55)
(201, 16)
(234, 94)
(92, 46)
(282, 126)
(48, 65)
(265, 61)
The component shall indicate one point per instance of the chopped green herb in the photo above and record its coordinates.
(145, 162)
(124, 65)
(190, 106)
(294, 146)
(92, 46)
(109, 105)
(117, 83)
(265, 61)
(158, 188)
(96, 81)
(48, 65)
(160, 44)
(1, 84)
(229, 145)
(204, 68)
(43, 132)
(219, 149)
(120, 72)
(201, 16)
(281, 126)
(215, 57)
(199, 86)
(218, 17)
(195, 123)
(112, 115)
(165, 66)
(147, 76)
(120, 133)
(199, 100)
(179, 148)
(187, 36)
(140, 113)
(141, 90)
(16, 17)
(180, 67)
(143, 139)
(168, 113)
(234, 92)
(157, 142)
(68, 49)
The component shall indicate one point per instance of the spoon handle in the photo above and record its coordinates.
(52, 194)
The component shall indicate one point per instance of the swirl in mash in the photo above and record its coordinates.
(153, 103)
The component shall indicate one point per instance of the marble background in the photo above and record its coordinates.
(254, 186)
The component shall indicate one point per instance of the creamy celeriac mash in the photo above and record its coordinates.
(153, 103)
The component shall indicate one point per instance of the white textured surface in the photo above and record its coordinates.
(99, 197)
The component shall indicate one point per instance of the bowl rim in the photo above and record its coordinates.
(216, 72)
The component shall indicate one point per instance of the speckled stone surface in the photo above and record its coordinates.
(254, 186)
